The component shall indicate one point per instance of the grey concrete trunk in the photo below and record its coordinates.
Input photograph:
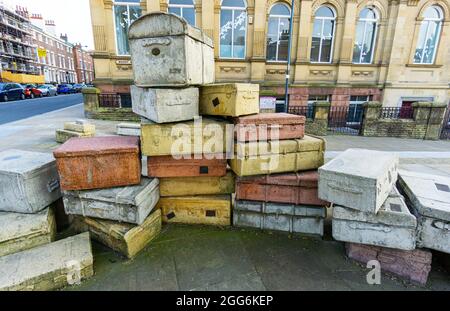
(279, 217)
(48, 267)
(130, 204)
(393, 226)
(29, 181)
(359, 179)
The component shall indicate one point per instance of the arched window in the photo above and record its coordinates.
(323, 33)
(278, 33)
(233, 28)
(430, 30)
(125, 12)
(366, 32)
(184, 9)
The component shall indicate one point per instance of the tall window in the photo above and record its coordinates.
(430, 30)
(366, 30)
(125, 12)
(323, 33)
(233, 28)
(278, 33)
(184, 9)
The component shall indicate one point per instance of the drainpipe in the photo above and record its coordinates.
(286, 90)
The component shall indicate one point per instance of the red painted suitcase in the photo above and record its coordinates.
(294, 188)
(252, 128)
(98, 162)
(167, 166)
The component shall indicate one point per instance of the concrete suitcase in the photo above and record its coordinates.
(165, 105)
(359, 179)
(29, 181)
(167, 166)
(200, 210)
(430, 200)
(64, 135)
(48, 267)
(269, 126)
(19, 232)
(124, 238)
(173, 187)
(294, 188)
(414, 265)
(80, 126)
(393, 226)
(130, 204)
(128, 129)
(99, 162)
(231, 99)
(185, 138)
(167, 51)
(279, 217)
(258, 158)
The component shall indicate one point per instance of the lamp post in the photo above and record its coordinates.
(291, 23)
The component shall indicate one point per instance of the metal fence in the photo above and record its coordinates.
(445, 134)
(115, 100)
(397, 112)
(346, 120)
(307, 111)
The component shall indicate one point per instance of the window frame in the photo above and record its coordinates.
(233, 9)
(127, 4)
(321, 36)
(278, 30)
(438, 41)
(375, 21)
(181, 6)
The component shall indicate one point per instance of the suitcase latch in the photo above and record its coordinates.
(170, 215)
(216, 102)
(210, 213)
(204, 170)
(52, 185)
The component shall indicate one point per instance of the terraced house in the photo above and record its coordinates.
(343, 52)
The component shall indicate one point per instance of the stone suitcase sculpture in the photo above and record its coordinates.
(232, 99)
(19, 232)
(165, 105)
(269, 126)
(359, 179)
(201, 210)
(124, 238)
(207, 165)
(128, 129)
(29, 181)
(130, 204)
(99, 162)
(294, 188)
(430, 200)
(172, 187)
(48, 267)
(279, 217)
(393, 226)
(414, 265)
(169, 52)
(79, 128)
(258, 158)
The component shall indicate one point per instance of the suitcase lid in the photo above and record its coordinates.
(16, 226)
(24, 163)
(131, 195)
(89, 146)
(229, 88)
(160, 24)
(428, 194)
(303, 179)
(207, 160)
(271, 119)
(393, 212)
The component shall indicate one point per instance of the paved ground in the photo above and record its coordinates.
(197, 257)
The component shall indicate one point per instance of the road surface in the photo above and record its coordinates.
(22, 109)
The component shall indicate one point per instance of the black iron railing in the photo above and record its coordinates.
(346, 120)
(445, 134)
(397, 112)
(115, 100)
(307, 111)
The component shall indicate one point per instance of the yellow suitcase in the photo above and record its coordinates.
(170, 139)
(257, 158)
(231, 99)
(199, 210)
(175, 187)
(124, 238)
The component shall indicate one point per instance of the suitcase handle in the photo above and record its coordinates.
(369, 227)
(156, 41)
(441, 225)
(386, 259)
(52, 185)
(345, 189)
(248, 97)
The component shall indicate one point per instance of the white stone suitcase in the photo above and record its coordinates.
(19, 232)
(166, 51)
(393, 226)
(359, 179)
(279, 217)
(48, 267)
(128, 129)
(131, 204)
(165, 105)
(430, 200)
(29, 181)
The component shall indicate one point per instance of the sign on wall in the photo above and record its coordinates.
(266, 102)
(42, 52)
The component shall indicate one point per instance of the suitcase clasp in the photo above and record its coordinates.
(52, 185)
(441, 225)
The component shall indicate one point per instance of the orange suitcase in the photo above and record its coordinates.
(167, 166)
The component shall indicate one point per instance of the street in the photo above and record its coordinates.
(18, 110)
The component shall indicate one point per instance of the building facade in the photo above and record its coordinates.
(343, 51)
(84, 64)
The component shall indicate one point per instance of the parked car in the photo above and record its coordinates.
(31, 91)
(65, 89)
(48, 90)
(11, 91)
(79, 87)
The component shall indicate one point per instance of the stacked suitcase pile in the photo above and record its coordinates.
(370, 214)
(30, 259)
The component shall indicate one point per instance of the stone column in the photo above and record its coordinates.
(153, 5)
(304, 41)
(436, 121)
(109, 25)
(372, 113)
(319, 125)
(258, 60)
(207, 20)
(91, 101)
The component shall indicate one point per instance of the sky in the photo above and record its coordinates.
(70, 16)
